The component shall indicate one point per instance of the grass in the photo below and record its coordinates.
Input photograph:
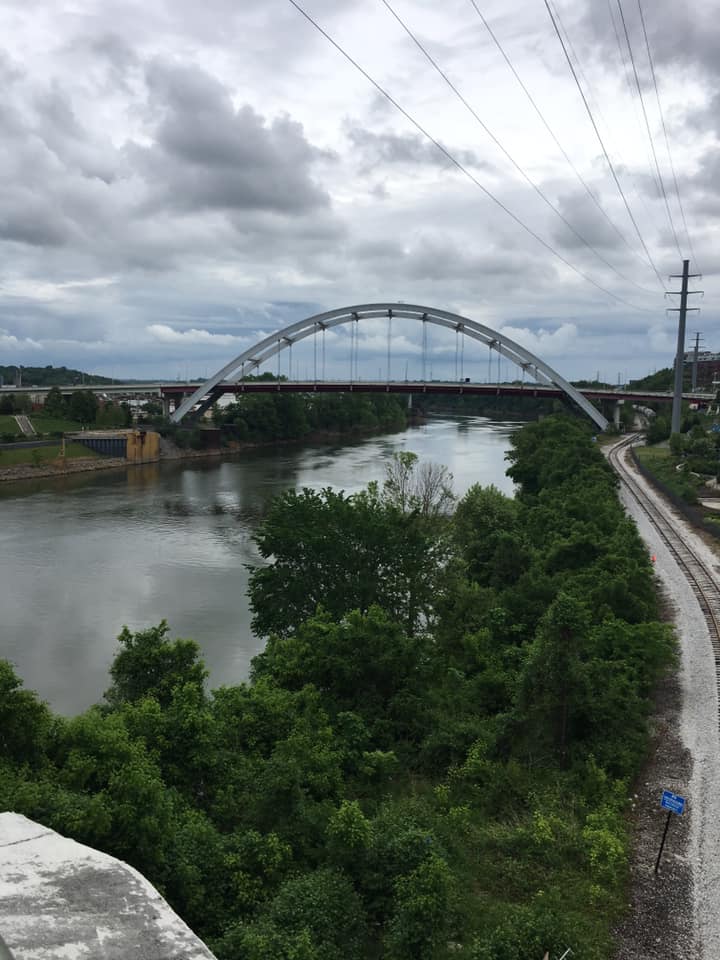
(54, 425)
(8, 424)
(41, 455)
(661, 463)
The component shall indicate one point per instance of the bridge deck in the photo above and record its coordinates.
(418, 387)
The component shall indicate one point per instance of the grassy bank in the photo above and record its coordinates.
(37, 456)
(8, 425)
(662, 464)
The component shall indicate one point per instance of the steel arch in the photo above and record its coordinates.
(282, 339)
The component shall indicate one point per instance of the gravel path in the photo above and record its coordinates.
(687, 761)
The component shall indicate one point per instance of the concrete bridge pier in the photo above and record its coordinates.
(616, 412)
(166, 409)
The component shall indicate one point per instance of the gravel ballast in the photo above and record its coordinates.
(677, 913)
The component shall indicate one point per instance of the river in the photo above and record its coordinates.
(83, 555)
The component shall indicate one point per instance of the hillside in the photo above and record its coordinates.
(50, 376)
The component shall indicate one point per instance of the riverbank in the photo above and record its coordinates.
(53, 469)
(169, 451)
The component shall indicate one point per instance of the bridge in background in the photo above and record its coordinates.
(537, 378)
(174, 394)
(232, 377)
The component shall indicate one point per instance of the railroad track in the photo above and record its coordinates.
(701, 579)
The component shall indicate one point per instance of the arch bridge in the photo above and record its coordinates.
(280, 340)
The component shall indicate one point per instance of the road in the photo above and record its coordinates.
(689, 574)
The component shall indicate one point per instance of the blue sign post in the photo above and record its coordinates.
(674, 804)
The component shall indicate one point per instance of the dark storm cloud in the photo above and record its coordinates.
(207, 154)
(409, 149)
(678, 36)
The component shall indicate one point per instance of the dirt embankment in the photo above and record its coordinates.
(26, 471)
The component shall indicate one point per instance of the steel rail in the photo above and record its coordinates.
(701, 579)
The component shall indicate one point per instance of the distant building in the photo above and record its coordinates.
(708, 367)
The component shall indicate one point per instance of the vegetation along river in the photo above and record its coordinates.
(83, 555)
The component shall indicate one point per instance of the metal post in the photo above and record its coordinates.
(695, 362)
(667, 824)
(680, 353)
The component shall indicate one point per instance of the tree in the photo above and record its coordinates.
(83, 406)
(343, 553)
(553, 684)
(24, 720)
(55, 405)
(149, 664)
(486, 528)
(425, 487)
(360, 664)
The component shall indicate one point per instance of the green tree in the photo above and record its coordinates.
(149, 664)
(83, 406)
(342, 553)
(553, 684)
(24, 721)
(486, 528)
(365, 664)
(55, 405)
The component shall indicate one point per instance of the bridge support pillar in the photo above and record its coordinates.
(166, 406)
(616, 413)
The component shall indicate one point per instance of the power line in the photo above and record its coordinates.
(665, 134)
(628, 83)
(603, 147)
(549, 129)
(647, 127)
(500, 146)
(594, 104)
(460, 166)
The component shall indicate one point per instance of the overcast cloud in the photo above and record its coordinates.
(179, 179)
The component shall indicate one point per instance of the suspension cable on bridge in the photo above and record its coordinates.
(424, 348)
(323, 350)
(357, 347)
(389, 343)
(352, 351)
(462, 353)
(315, 326)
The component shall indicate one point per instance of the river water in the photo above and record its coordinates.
(81, 556)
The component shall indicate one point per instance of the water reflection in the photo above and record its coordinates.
(86, 553)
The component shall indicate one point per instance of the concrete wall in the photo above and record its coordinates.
(143, 446)
(61, 899)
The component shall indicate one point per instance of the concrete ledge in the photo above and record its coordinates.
(61, 900)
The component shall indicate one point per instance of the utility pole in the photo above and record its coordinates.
(680, 355)
(695, 360)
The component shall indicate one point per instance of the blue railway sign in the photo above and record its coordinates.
(671, 801)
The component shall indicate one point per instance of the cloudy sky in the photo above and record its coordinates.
(178, 179)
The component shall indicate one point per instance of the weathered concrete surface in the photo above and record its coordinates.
(60, 900)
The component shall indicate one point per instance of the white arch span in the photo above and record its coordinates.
(281, 339)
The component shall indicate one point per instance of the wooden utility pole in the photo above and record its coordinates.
(680, 355)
